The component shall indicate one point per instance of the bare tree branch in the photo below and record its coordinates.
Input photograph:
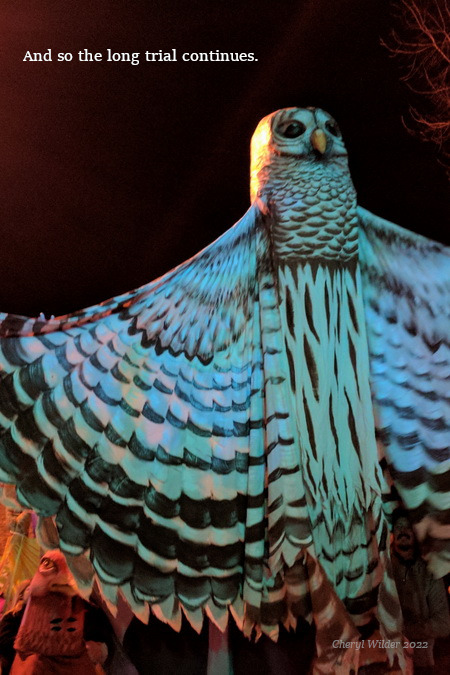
(422, 42)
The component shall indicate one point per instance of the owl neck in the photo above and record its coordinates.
(313, 212)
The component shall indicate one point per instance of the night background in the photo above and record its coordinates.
(114, 173)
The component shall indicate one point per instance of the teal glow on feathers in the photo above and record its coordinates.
(209, 439)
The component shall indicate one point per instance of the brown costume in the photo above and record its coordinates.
(50, 639)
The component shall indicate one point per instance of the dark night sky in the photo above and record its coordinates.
(114, 173)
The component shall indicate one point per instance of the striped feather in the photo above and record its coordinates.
(157, 429)
(206, 443)
(406, 286)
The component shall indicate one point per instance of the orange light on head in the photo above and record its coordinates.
(53, 575)
(259, 153)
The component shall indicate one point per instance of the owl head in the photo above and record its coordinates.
(303, 134)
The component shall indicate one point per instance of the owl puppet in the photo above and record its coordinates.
(209, 441)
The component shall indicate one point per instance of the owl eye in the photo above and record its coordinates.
(333, 128)
(293, 130)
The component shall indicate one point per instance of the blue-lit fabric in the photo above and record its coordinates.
(208, 441)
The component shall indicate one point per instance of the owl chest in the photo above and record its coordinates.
(327, 360)
(314, 220)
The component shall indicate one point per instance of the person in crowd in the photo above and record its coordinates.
(422, 597)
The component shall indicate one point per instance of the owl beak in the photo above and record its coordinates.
(319, 140)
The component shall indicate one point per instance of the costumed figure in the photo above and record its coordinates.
(210, 437)
(50, 638)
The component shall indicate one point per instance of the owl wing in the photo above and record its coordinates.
(406, 282)
(156, 428)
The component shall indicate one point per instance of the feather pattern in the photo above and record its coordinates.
(208, 440)
(148, 425)
(407, 304)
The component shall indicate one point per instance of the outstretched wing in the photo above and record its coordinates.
(156, 427)
(406, 280)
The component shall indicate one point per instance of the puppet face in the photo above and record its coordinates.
(296, 135)
(309, 132)
(53, 576)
